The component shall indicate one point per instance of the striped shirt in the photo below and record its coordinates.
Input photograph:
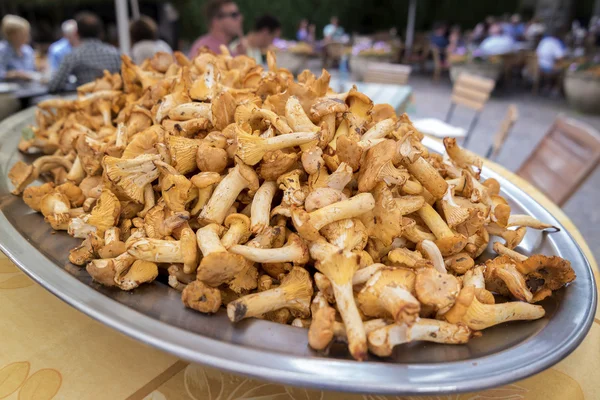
(87, 62)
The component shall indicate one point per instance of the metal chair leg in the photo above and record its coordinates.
(470, 131)
(450, 112)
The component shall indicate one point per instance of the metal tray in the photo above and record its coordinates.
(155, 315)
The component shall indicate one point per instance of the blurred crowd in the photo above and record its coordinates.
(81, 56)
(498, 36)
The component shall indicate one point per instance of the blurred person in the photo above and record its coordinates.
(257, 41)
(497, 43)
(145, 41)
(17, 59)
(550, 49)
(224, 22)
(88, 60)
(514, 28)
(439, 38)
(302, 33)
(455, 40)
(59, 49)
(534, 30)
(333, 30)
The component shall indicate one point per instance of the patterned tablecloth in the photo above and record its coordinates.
(49, 350)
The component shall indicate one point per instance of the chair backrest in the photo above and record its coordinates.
(472, 91)
(562, 161)
(387, 73)
(505, 127)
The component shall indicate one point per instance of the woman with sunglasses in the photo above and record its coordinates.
(224, 22)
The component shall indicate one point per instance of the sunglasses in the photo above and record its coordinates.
(233, 15)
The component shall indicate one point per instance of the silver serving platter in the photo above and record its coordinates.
(155, 315)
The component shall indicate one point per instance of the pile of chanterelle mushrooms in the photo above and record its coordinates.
(282, 200)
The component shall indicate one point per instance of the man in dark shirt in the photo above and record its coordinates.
(87, 61)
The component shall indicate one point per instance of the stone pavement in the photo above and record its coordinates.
(536, 114)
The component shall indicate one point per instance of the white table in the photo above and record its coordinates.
(395, 95)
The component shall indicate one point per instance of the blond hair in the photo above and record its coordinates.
(12, 24)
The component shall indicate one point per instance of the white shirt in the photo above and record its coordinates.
(498, 44)
(548, 51)
(147, 48)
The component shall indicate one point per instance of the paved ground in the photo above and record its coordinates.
(535, 117)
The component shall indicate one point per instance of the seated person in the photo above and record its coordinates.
(257, 41)
(438, 37)
(550, 50)
(89, 60)
(17, 59)
(333, 30)
(497, 43)
(59, 49)
(145, 41)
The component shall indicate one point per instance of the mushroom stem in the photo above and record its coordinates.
(251, 149)
(294, 251)
(260, 213)
(224, 195)
(428, 176)
(209, 241)
(382, 341)
(350, 208)
(505, 251)
(434, 255)
(530, 222)
(168, 251)
(380, 130)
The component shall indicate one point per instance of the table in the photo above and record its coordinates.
(398, 96)
(51, 351)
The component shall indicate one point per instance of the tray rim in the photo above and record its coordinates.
(266, 365)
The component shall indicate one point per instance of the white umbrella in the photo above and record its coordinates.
(410, 27)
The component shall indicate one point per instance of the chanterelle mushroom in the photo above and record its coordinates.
(294, 292)
(382, 341)
(339, 267)
(389, 293)
(182, 251)
(218, 265)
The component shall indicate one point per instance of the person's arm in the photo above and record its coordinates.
(60, 77)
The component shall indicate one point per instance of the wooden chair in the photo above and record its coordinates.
(507, 123)
(472, 92)
(387, 73)
(563, 160)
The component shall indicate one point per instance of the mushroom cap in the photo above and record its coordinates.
(183, 153)
(205, 179)
(33, 195)
(382, 111)
(103, 271)
(545, 274)
(72, 192)
(276, 163)
(435, 288)
(21, 175)
(220, 267)
(502, 277)
(451, 245)
(223, 110)
(326, 106)
(176, 191)
(461, 305)
(201, 298)
(106, 212)
(320, 332)
(139, 272)
(349, 151)
(210, 158)
(368, 299)
(113, 249)
(91, 186)
(377, 157)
